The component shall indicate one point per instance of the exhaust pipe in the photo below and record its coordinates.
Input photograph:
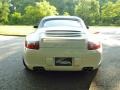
(38, 68)
(87, 69)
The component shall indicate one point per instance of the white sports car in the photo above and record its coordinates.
(62, 43)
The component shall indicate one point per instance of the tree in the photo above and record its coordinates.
(21, 4)
(117, 11)
(59, 4)
(4, 11)
(88, 10)
(94, 12)
(111, 13)
(69, 6)
(30, 11)
(41, 9)
(66, 14)
(15, 18)
(64, 6)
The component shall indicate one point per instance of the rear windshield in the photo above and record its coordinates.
(53, 23)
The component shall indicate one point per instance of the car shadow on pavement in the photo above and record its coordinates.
(53, 80)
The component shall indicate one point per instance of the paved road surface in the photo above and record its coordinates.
(13, 76)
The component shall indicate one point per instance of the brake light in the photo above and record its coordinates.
(93, 45)
(32, 45)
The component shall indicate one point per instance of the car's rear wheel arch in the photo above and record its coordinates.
(26, 67)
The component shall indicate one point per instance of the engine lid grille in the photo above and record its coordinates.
(63, 33)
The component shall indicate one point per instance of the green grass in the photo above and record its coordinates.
(25, 30)
(16, 30)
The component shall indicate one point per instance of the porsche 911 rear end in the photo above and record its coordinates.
(63, 50)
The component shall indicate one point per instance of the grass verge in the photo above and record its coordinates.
(16, 30)
(25, 30)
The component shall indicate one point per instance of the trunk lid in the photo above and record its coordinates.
(63, 39)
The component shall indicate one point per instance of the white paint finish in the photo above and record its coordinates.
(50, 47)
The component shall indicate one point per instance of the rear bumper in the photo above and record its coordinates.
(34, 58)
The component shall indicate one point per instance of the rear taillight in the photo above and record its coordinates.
(32, 45)
(93, 45)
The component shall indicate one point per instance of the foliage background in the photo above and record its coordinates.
(29, 12)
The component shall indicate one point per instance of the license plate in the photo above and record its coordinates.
(63, 61)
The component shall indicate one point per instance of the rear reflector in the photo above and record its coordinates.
(93, 45)
(32, 45)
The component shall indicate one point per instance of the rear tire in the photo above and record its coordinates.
(26, 67)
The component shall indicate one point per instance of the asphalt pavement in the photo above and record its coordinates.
(13, 76)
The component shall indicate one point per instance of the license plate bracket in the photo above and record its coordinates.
(63, 61)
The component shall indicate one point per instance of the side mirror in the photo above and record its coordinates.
(87, 27)
(35, 26)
